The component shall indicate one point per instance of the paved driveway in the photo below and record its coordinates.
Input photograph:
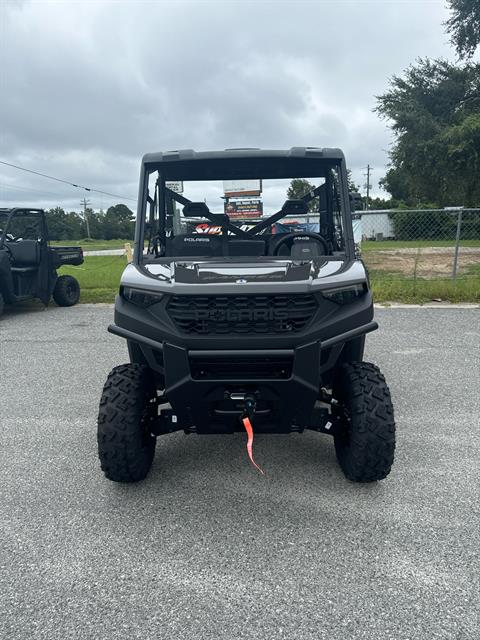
(208, 548)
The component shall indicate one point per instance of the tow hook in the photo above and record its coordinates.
(249, 404)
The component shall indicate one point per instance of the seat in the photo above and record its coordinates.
(305, 250)
(240, 247)
(195, 244)
(25, 253)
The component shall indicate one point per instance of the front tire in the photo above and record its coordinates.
(2, 304)
(125, 444)
(365, 442)
(67, 291)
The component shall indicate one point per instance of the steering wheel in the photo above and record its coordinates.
(290, 238)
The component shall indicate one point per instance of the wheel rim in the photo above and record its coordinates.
(71, 291)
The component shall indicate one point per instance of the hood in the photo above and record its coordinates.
(232, 277)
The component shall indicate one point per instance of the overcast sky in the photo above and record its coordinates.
(88, 87)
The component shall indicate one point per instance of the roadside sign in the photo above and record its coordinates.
(242, 209)
(175, 186)
(234, 188)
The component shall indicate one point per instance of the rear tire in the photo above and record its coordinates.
(125, 444)
(2, 304)
(365, 444)
(67, 291)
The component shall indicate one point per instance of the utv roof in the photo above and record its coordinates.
(253, 152)
(8, 210)
(241, 163)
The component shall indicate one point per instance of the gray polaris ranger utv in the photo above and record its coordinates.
(245, 307)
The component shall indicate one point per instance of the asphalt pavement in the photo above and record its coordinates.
(207, 548)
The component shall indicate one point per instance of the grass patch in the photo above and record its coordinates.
(91, 244)
(397, 288)
(99, 279)
(374, 245)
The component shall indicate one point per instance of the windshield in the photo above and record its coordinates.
(21, 225)
(262, 217)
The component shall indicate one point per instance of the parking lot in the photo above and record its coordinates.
(208, 548)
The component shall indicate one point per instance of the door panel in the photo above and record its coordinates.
(27, 241)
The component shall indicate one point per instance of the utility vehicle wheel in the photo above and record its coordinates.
(2, 304)
(67, 291)
(365, 445)
(125, 444)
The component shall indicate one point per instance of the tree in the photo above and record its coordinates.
(118, 222)
(382, 203)
(352, 187)
(64, 226)
(434, 111)
(464, 26)
(300, 187)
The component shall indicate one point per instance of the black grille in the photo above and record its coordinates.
(242, 314)
(241, 368)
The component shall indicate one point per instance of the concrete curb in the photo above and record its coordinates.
(428, 305)
(378, 305)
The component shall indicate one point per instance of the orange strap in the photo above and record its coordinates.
(249, 429)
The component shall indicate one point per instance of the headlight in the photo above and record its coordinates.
(140, 297)
(345, 295)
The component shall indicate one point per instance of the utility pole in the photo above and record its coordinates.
(367, 185)
(85, 203)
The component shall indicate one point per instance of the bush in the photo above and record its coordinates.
(434, 225)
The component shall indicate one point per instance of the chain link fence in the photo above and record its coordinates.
(423, 247)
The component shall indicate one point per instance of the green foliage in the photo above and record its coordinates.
(352, 187)
(464, 26)
(300, 187)
(117, 222)
(438, 225)
(64, 226)
(470, 229)
(382, 203)
(434, 110)
(423, 225)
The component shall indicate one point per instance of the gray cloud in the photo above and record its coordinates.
(87, 88)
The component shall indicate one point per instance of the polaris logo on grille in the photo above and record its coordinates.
(240, 315)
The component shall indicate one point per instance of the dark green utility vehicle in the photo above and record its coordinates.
(28, 264)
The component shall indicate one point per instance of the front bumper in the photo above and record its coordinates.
(202, 384)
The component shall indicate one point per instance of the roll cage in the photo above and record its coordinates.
(6, 216)
(239, 164)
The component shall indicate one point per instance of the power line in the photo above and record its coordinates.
(72, 184)
(40, 191)
(11, 186)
